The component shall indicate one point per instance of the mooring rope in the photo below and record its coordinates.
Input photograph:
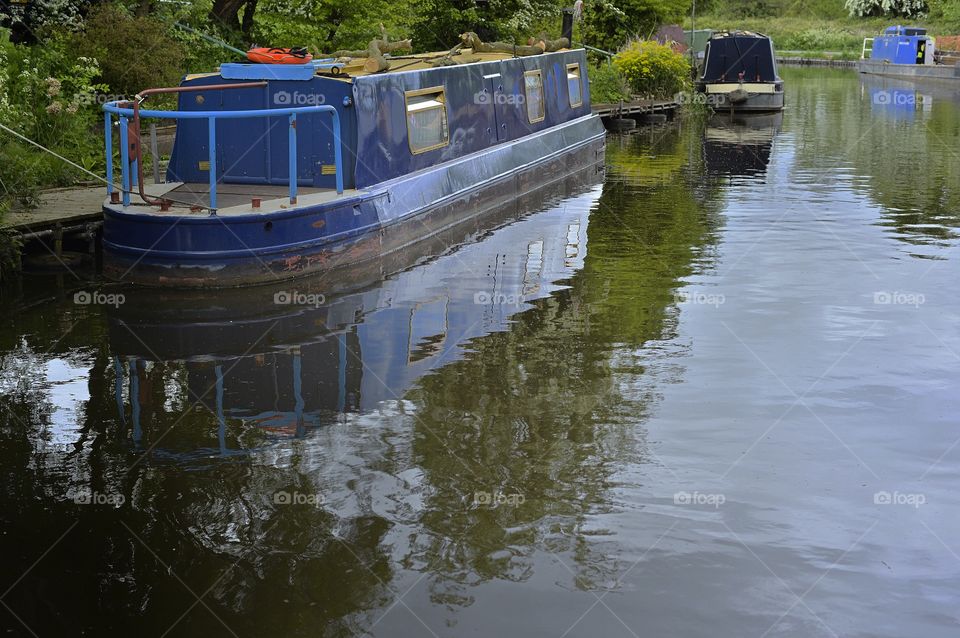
(57, 155)
(88, 172)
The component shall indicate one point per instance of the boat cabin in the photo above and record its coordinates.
(739, 56)
(903, 45)
(392, 123)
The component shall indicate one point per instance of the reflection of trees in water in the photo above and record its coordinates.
(901, 139)
(542, 410)
(539, 410)
(205, 521)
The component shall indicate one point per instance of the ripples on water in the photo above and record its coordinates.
(669, 404)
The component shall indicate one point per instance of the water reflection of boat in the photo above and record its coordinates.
(740, 144)
(901, 99)
(287, 357)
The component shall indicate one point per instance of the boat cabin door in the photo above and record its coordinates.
(493, 85)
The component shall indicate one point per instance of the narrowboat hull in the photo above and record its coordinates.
(760, 97)
(910, 71)
(228, 250)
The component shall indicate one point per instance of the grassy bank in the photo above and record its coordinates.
(821, 27)
(790, 33)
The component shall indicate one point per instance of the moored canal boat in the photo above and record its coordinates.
(283, 170)
(907, 52)
(739, 73)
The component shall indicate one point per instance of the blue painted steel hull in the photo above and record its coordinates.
(243, 249)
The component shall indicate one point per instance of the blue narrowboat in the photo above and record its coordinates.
(282, 170)
(907, 52)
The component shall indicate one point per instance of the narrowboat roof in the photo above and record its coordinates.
(902, 30)
(737, 33)
(350, 68)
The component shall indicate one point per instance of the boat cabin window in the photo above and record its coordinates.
(574, 85)
(533, 93)
(427, 119)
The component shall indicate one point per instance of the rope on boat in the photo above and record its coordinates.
(57, 155)
(88, 172)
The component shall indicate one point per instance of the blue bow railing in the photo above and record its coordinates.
(129, 169)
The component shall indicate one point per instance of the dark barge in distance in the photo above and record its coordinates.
(283, 170)
(739, 73)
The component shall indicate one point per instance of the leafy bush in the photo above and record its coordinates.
(134, 52)
(47, 94)
(905, 8)
(608, 25)
(653, 69)
(607, 85)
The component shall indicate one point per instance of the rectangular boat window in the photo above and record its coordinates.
(533, 92)
(574, 86)
(427, 119)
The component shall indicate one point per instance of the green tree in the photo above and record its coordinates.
(439, 22)
(905, 8)
(946, 11)
(328, 25)
(609, 24)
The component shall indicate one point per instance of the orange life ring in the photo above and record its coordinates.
(274, 55)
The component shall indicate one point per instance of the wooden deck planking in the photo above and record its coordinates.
(64, 206)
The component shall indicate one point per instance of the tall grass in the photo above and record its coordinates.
(807, 25)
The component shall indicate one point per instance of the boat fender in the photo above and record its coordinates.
(738, 96)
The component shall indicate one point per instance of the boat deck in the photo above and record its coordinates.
(193, 198)
(231, 195)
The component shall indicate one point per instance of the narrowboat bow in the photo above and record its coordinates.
(739, 73)
(283, 170)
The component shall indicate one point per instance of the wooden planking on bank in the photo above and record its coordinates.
(61, 212)
(637, 107)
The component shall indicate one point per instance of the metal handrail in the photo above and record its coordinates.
(129, 173)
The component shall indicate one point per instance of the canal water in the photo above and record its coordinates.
(712, 392)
